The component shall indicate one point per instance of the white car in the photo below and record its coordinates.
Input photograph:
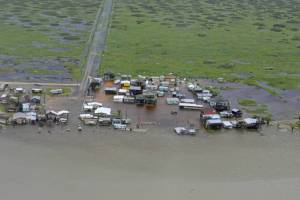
(226, 114)
(180, 130)
(191, 87)
(227, 125)
(120, 126)
(184, 131)
(63, 120)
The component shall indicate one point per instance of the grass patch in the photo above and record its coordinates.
(253, 82)
(42, 71)
(247, 102)
(2, 108)
(74, 70)
(214, 90)
(261, 111)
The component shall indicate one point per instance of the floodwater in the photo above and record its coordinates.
(106, 164)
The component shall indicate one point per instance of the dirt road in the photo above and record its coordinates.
(98, 39)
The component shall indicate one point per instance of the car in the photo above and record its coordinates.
(227, 125)
(237, 112)
(117, 124)
(192, 131)
(226, 114)
(185, 131)
(160, 94)
(120, 126)
(63, 120)
(180, 130)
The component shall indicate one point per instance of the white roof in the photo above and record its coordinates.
(62, 112)
(172, 99)
(125, 81)
(250, 121)
(151, 86)
(37, 89)
(187, 100)
(179, 129)
(119, 97)
(191, 105)
(4, 95)
(19, 89)
(26, 106)
(206, 98)
(51, 111)
(215, 116)
(191, 86)
(86, 116)
(103, 110)
(123, 90)
(214, 121)
(94, 104)
(235, 110)
(227, 123)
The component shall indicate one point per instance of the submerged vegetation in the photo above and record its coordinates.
(45, 35)
(247, 102)
(245, 41)
(252, 107)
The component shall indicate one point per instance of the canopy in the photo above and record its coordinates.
(103, 110)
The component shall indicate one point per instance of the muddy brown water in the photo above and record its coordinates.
(100, 162)
(159, 115)
(103, 163)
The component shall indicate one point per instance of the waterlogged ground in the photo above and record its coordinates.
(44, 40)
(154, 165)
(238, 40)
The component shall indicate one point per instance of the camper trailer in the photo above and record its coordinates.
(118, 98)
(128, 100)
(135, 90)
(110, 90)
(150, 99)
(140, 100)
(190, 106)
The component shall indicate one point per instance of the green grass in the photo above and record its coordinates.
(42, 71)
(247, 102)
(236, 40)
(214, 90)
(272, 91)
(255, 109)
(261, 111)
(2, 108)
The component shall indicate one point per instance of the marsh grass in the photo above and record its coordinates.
(207, 39)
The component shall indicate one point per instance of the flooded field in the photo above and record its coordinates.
(45, 40)
(152, 165)
(282, 106)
